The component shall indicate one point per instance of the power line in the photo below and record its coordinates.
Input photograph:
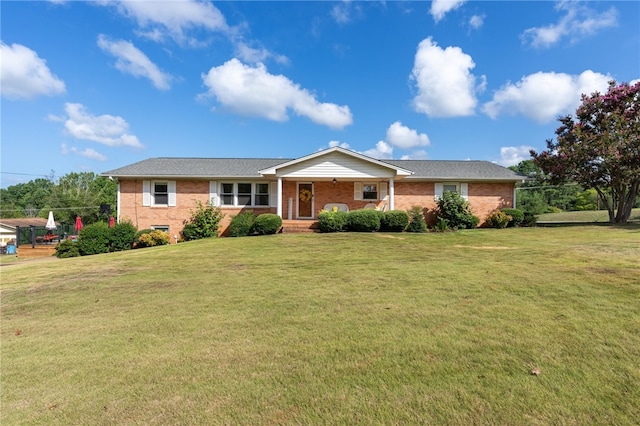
(49, 208)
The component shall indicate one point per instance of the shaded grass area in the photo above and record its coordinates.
(589, 216)
(331, 328)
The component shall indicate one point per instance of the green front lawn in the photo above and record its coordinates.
(331, 329)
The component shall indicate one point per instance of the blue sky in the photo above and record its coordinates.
(92, 86)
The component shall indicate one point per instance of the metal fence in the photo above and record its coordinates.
(38, 235)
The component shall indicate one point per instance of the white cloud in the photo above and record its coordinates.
(545, 96)
(131, 60)
(106, 129)
(253, 91)
(23, 74)
(439, 8)
(420, 154)
(255, 55)
(87, 153)
(342, 12)
(579, 21)
(333, 144)
(512, 155)
(382, 151)
(404, 137)
(172, 19)
(445, 85)
(476, 21)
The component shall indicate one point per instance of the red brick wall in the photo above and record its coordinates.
(187, 193)
(484, 198)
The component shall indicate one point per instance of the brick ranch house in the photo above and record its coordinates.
(159, 193)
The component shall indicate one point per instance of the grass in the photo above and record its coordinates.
(585, 216)
(332, 329)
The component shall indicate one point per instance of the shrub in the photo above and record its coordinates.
(266, 224)
(67, 248)
(153, 238)
(517, 216)
(456, 211)
(330, 221)
(394, 221)
(441, 225)
(529, 219)
(94, 239)
(122, 236)
(136, 237)
(498, 219)
(416, 220)
(204, 222)
(241, 224)
(364, 220)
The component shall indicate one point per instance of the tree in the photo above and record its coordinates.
(26, 199)
(81, 194)
(600, 148)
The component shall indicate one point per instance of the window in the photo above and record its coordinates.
(447, 187)
(163, 228)
(262, 194)
(160, 193)
(369, 191)
(461, 188)
(244, 194)
(227, 194)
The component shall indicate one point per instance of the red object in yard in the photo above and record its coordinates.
(78, 223)
(112, 222)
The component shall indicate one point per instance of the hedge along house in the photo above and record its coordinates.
(159, 193)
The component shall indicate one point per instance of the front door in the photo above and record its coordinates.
(305, 200)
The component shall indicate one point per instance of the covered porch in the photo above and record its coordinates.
(332, 178)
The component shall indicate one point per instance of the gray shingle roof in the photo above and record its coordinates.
(452, 169)
(248, 168)
(196, 167)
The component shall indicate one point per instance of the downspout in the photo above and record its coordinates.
(392, 194)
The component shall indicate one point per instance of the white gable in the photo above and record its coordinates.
(336, 165)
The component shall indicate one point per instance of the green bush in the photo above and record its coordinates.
(498, 219)
(416, 220)
(203, 223)
(67, 248)
(153, 238)
(364, 220)
(94, 239)
(441, 225)
(122, 236)
(330, 221)
(529, 219)
(241, 224)
(136, 237)
(456, 211)
(266, 224)
(394, 221)
(517, 216)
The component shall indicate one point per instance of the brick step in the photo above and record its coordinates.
(298, 226)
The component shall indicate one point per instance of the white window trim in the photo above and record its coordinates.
(218, 196)
(148, 187)
(462, 188)
(358, 193)
(164, 228)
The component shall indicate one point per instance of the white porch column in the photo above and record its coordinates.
(279, 206)
(392, 194)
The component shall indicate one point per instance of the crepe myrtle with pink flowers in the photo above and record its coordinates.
(600, 148)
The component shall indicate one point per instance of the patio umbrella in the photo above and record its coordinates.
(78, 223)
(51, 224)
(112, 222)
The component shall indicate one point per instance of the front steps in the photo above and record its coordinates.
(299, 226)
